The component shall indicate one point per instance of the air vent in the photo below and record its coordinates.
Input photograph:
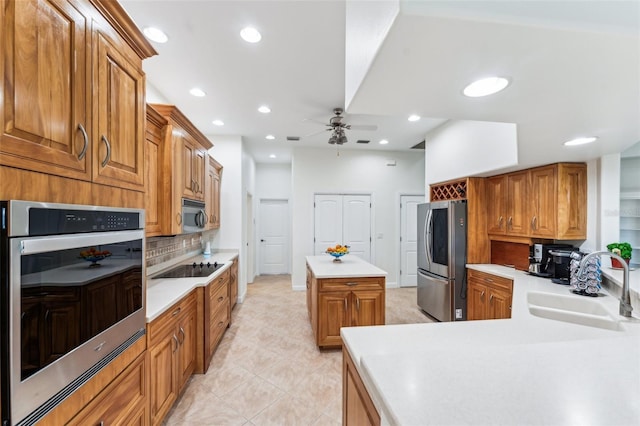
(362, 141)
(418, 146)
(293, 138)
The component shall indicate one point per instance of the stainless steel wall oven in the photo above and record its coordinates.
(72, 299)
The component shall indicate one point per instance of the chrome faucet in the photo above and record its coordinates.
(625, 300)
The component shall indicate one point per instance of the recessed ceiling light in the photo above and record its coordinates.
(485, 87)
(580, 141)
(218, 123)
(270, 137)
(250, 35)
(197, 92)
(155, 34)
(272, 156)
(384, 142)
(414, 117)
(264, 109)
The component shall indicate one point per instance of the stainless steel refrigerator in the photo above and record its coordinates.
(442, 255)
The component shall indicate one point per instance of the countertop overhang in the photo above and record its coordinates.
(523, 370)
(349, 266)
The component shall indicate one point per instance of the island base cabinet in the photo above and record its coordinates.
(342, 302)
(357, 406)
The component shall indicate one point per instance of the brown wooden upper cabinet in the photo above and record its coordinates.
(212, 193)
(182, 164)
(543, 202)
(73, 90)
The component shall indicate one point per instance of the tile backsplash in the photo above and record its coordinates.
(163, 249)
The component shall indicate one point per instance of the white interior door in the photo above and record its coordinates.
(327, 222)
(356, 225)
(274, 237)
(409, 239)
(343, 219)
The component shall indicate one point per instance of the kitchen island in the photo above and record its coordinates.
(345, 293)
(524, 370)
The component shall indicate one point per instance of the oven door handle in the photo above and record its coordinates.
(32, 245)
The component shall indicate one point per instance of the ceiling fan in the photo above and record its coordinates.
(337, 127)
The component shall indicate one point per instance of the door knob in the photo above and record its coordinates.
(262, 241)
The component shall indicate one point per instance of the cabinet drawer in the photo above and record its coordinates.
(156, 327)
(222, 278)
(218, 324)
(219, 296)
(490, 279)
(125, 395)
(337, 284)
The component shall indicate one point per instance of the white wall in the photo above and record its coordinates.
(467, 148)
(609, 207)
(321, 170)
(227, 150)
(273, 181)
(248, 214)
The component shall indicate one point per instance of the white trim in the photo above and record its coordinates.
(398, 216)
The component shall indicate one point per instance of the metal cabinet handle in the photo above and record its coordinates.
(357, 304)
(534, 223)
(220, 299)
(510, 223)
(489, 280)
(46, 315)
(221, 324)
(212, 220)
(352, 284)
(183, 335)
(83, 152)
(176, 312)
(101, 423)
(345, 305)
(500, 220)
(490, 298)
(482, 294)
(175, 339)
(179, 218)
(108, 156)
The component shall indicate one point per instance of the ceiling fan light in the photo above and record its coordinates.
(333, 140)
(342, 139)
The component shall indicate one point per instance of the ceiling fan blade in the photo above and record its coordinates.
(311, 120)
(315, 133)
(363, 127)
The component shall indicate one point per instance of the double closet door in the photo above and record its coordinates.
(343, 219)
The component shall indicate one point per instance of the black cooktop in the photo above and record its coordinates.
(194, 270)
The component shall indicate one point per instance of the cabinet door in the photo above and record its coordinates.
(517, 201)
(308, 292)
(187, 339)
(188, 152)
(543, 195)
(367, 308)
(476, 297)
(498, 304)
(163, 389)
(233, 285)
(357, 406)
(572, 202)
(496, 205)
(119, 116)
(155, 198)
(212, 195)
(199, 171)
(334, 312)
(45, 110)
(215, 198)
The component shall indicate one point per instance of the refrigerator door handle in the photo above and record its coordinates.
(427, 240)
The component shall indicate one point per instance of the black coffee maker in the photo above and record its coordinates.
(557, 262)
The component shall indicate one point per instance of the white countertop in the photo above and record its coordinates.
(350, 266)
(164, 292)
(523, 370)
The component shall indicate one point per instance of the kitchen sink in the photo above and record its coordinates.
(572, 308)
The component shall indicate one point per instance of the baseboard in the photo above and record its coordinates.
(391, 284)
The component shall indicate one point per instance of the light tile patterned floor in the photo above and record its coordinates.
(267, 369)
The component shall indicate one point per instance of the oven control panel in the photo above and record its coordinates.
(64, 221)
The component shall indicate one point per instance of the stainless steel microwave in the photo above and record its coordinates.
(194, 217)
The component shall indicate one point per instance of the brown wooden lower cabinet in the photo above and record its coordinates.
(357, 406)
(488, 296)
(344, 302)
(120, 403)
(172, 355)
(217, 314)
(233, 285)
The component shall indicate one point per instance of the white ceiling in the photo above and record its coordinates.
(574, 67)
